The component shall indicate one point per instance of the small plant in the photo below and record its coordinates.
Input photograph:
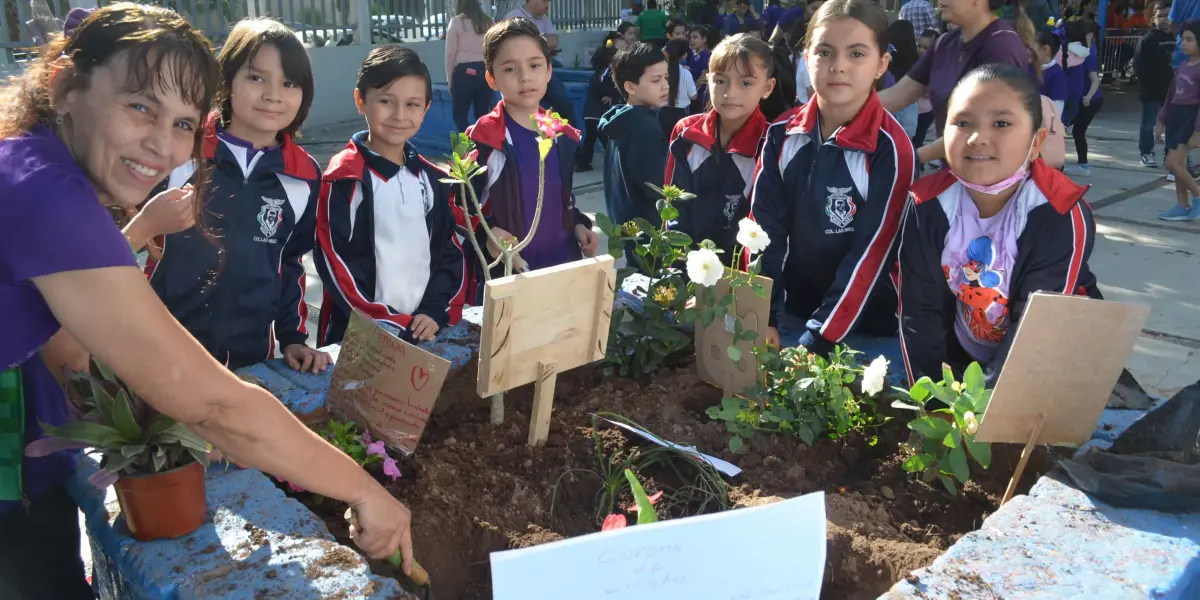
(644, 339)
(463, 168)
(358, 446)
(133, 438)
(644, 507)
(943, 436)
(805, 395)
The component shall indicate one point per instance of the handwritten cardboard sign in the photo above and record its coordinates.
(1064, 362)
(769, 552)
(384, 383)
(712, 342)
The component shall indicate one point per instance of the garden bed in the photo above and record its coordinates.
(475, 489)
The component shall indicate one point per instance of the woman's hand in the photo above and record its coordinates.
(384, 524)
(1160, 133)
(1087, 100)
(935, 150)
(589, 242)
(302, 358)
(423, 328)
(62, 352)
(169, 212)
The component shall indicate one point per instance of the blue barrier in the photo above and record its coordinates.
(255, 543)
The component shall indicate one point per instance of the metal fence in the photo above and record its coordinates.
(1116, 55)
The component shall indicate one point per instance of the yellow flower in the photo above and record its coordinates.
(630, 228)
(957, 386)
(664, 294)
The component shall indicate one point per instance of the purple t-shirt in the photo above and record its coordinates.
(1078, 82)
(1054, 83)
(950, 59)
(978, 259)
(551, 244)
(697, 62)
(1185, 90)
(51, 221)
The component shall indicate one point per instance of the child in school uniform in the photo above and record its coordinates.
(386, 239)
(237, 282)
(994, 227)
(636, 151)
(601, 96)
(831, 192)
(712, 154)
(517, 60)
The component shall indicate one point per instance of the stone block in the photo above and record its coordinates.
(255, 543)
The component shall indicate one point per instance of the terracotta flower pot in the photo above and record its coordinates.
(163, 505)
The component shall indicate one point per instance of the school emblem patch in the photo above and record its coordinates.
(840, 206)
(270, 216)
(731, 205)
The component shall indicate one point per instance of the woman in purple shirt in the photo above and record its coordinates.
(100, 120)
(981, 38)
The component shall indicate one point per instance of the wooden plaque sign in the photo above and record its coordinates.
(712, 359)
(385, 384)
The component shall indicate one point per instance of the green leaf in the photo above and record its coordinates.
(180, 434)
(930, 427)
(677, 238)
(973, 379)
(736, 443)
(805, 433)
(901, 405)
(958, 464)
(920, 389)
(105, 372)
(605, 223)
(748, 335)
(981, 401)
(95, 435)
(115, 461)
(133, 450)
(734, 353)
(707, 317)
(947, 375)
(917, 463)
(646, 512)
(160, 460)
(158, 424)
(199, 456)
(123, 419)
(949, 484)
(981, 451)
(669, 213)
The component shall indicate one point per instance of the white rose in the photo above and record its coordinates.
(971, 422)
(752, 236)
(704, 267)
(874, 376)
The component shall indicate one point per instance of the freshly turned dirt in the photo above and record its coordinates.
(474, 488)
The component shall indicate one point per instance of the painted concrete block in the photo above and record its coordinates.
(255, 543)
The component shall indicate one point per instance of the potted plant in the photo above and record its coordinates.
(156, 464)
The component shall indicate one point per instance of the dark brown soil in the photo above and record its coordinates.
(474, 488)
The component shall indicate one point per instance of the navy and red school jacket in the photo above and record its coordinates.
(721, 178)
(499, 189)
(345, 250)
(601, 86)
(262, 208)
(831, 204)
(1052, 255)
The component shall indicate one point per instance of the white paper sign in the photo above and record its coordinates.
(725, 467)
(770, 552)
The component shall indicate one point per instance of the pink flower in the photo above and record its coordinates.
(295, 488)
(366, 437)
(550, 124)
(377, 449)
(390, 468)
(615, 521)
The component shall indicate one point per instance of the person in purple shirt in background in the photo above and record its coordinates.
(1054, 79)
(99, 120)
(1083, 86)
(980, 38)
(771, 16)
(1179, 128)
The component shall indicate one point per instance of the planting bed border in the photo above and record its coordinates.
(257, 543)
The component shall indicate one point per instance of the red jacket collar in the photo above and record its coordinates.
(1062, 193)
(297, 162)
(489, 129)
(861, 133)
(746, 141)
(352, 162)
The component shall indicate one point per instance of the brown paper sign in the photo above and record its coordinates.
(384, 383)
(1064, 362)
(712, 358)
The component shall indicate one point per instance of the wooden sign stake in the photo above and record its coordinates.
(543, 403)
(1025, 453)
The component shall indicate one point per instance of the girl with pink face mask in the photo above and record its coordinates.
(995, 226)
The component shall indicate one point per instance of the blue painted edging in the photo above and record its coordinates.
(255, 543)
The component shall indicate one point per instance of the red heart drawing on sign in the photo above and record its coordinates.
(419, 378)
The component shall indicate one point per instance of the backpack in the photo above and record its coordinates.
(1054, 148)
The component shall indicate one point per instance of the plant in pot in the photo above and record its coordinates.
(155, 463)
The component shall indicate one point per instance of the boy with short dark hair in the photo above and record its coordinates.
(1152, 66)
(636, 152)
(517, 61)
(386, 239)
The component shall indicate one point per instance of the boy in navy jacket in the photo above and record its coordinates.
(518, 65)
(386, 241)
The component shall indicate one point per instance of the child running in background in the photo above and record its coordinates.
(831, 190)
(924, 105)
(636, 152)
(712, 154)
(241, 294)
(993, 228)
(386, 240)
(683, 87)
(1054, 78)
(1178, 126)
(602, 94)
(517, 60)
(1084, 85)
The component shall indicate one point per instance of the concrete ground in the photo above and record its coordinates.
(1137, 257)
